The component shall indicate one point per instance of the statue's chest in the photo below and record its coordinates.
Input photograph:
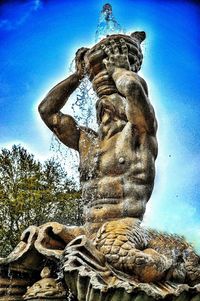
(109, 157)
(116, 157)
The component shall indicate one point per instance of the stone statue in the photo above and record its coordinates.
(117, 170)
(117, 163)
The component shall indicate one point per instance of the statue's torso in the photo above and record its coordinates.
(117, 174)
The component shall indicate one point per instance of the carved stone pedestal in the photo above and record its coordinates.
(89, 279)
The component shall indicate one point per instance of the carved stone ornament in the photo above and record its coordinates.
(46, 289)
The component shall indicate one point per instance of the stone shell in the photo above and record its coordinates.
(94, 57)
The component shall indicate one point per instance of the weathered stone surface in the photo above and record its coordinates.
(84, 276)
(123, 291)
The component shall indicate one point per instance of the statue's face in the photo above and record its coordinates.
(110, 108)
(111, 115)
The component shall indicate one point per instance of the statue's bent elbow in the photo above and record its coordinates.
(43, 109)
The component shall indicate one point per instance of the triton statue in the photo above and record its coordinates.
(117, 163)
(117, 170)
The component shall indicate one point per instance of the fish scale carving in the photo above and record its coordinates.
(162, 254)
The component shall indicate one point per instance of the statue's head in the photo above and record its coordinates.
(111, 116)
(113, 105)
(95, 68)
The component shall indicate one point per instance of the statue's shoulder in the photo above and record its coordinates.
(87, 138)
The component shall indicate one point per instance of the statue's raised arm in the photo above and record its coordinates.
(64, 126)
(139, 111)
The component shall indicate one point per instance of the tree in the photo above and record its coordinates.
(32, 193)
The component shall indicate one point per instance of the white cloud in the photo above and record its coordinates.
(11, 24)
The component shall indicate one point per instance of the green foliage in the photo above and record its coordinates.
(32, 193)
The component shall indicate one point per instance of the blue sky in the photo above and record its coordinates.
(38, 42)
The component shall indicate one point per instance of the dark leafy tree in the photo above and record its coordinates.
(32, 193)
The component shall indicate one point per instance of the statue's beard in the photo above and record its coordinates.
(110, 128)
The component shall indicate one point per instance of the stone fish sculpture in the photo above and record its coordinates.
(111, 255)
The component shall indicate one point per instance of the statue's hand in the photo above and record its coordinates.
(117, 56)
(79, 61)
